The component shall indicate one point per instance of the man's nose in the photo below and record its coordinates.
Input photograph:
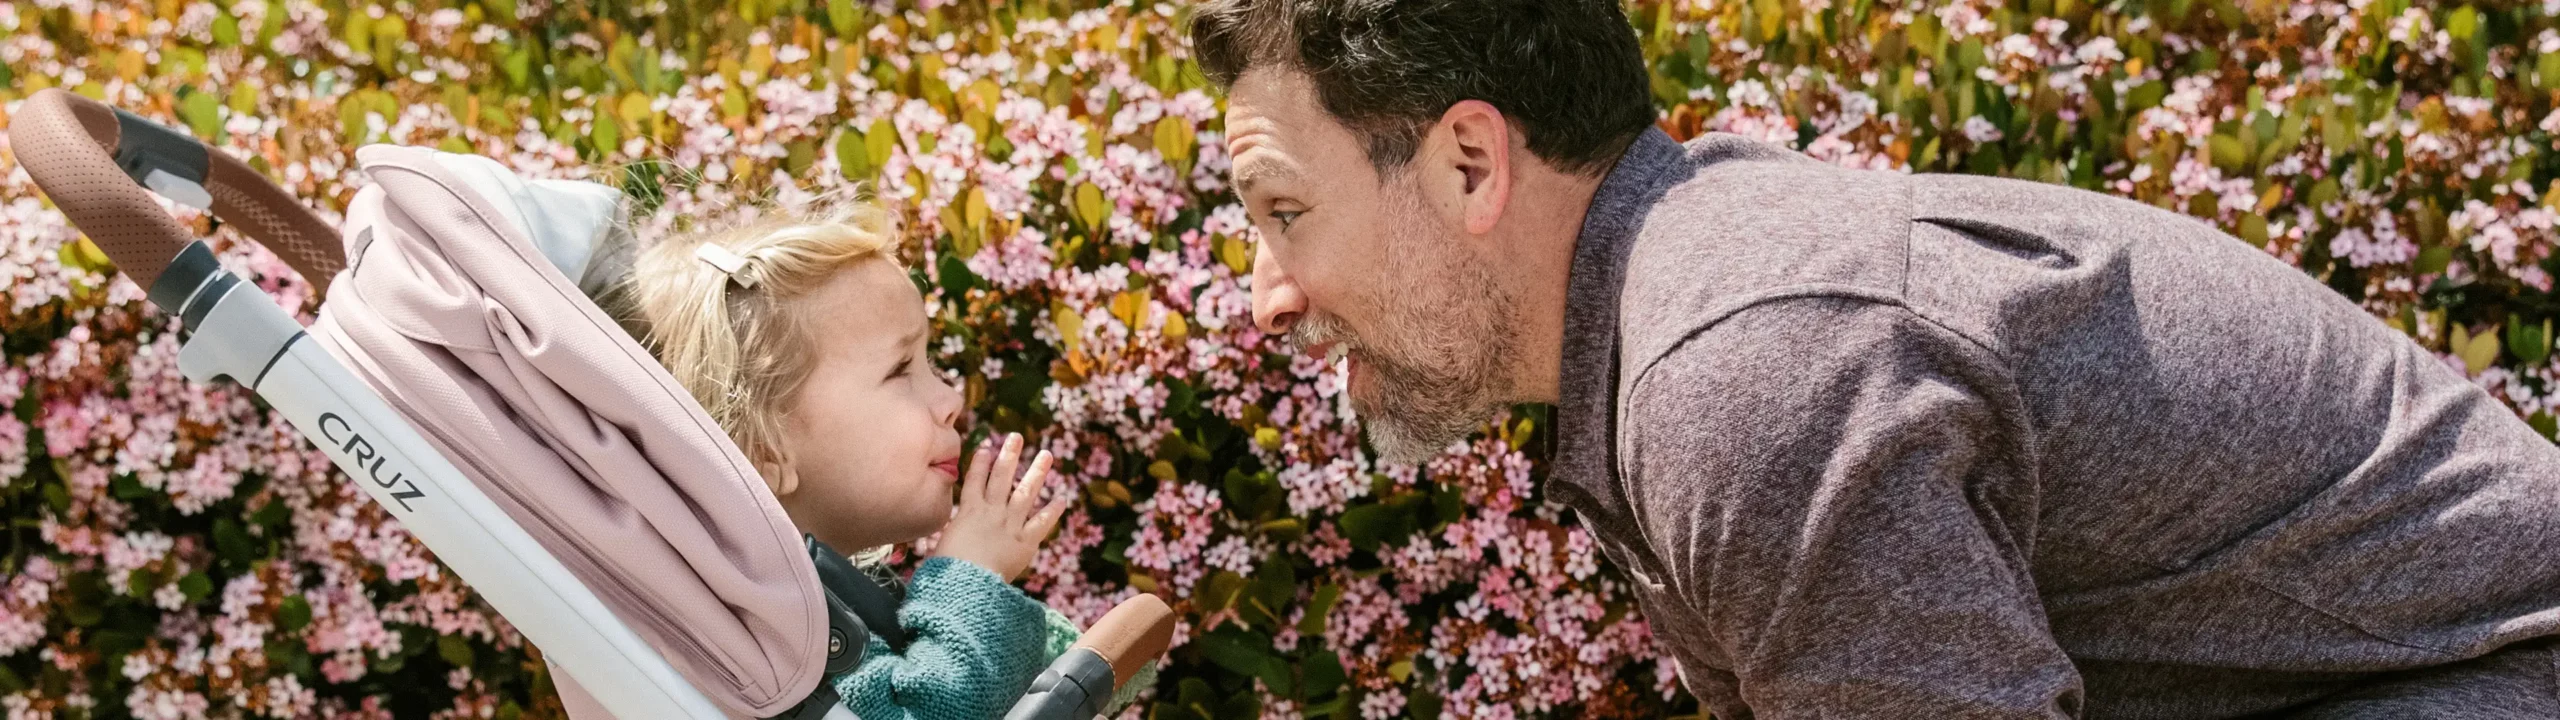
(1277, 302)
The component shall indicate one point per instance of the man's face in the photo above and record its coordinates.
(1368, 268)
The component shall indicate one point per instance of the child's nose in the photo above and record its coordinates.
(951, 405)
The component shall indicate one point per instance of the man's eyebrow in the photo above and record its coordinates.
(1257, 173)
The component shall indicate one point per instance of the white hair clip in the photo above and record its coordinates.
(728, 262)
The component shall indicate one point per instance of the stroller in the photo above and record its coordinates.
(460, 376)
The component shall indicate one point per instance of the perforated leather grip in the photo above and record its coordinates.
(70, 146)
(1137, 631)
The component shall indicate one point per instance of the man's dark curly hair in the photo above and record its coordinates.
(1567, 73)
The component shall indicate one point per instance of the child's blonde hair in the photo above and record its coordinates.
(738, 340)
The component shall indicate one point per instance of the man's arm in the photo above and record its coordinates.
(1839, 492)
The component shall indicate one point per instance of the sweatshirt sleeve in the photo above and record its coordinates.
(974, 644)
(1838, 495)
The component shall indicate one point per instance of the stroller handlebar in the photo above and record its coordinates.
(1078, 684)
(1135, 632)
(95, 162)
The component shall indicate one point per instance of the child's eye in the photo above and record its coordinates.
(901, 369)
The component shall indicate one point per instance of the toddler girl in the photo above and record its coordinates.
(806, 341)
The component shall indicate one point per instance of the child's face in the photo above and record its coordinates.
(871, 431)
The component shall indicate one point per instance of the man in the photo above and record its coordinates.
(1882, 445)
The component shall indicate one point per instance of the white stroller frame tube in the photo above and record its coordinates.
(246, 337)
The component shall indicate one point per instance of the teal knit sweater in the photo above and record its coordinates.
(974, 643)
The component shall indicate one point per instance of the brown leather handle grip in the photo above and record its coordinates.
(1140, 629)
(67, 144)
(64, 141)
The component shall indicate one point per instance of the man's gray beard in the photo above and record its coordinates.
(1438, 360)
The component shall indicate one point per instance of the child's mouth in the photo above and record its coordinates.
(950, 469)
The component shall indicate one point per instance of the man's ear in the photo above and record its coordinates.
(1470, 164)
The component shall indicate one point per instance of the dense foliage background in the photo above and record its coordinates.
(174, 551)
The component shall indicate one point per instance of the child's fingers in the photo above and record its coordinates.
(1045, 522)
(1026, 492)
(1008, 463)
(973, 481)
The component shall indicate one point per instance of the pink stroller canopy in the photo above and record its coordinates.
(451, 309)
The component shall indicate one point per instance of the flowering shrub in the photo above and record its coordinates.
(175, 551)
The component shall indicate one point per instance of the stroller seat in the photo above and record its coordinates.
(458, 373)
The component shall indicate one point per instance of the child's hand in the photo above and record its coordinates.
(995, 526)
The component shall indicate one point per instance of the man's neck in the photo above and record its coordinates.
(1550, 207)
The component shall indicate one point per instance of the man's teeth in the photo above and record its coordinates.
(1335, 354)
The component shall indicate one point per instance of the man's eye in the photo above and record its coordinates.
(1286, 217)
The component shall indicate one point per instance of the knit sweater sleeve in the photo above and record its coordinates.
(974, 644)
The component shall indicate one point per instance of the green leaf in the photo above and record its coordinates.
(86, 605)
(203, 113)
(1266, 599)
(1237, 255)
(852, 156)
(1244, 705)
(1284, 529)
(2478, 352)
(2529, 343)
(271, 23)
(1319, 609)
(196, 586)
(606, 136)
(2434, 260)
(2228, 153)
(954, 277)
(518, 65)
(56, 496)
(272, 516)
(1370, 526)
(2254, 229)
(1246, 653)
(880, 141)
(226, 29)
(2463, 23)
(1321, 674)
(1924, 36)
(2145, 96)
(126, 487)
(844, 18)
(2544, 422)
(454, 649)
(1175, 138)
(357, 31)
(293, 614)
(1423, 705)
(1220, 592)
(2323, 193)
(233, 544)
(1089, 205)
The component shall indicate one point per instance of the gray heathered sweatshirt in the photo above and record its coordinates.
(1936, 446)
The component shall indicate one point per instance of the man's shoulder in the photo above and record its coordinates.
(1746, 221)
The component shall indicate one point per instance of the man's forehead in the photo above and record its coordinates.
(1272, 118)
